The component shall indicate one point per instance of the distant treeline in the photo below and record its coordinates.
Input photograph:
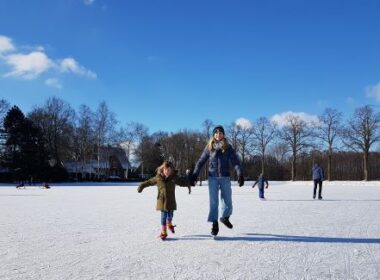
(37, 144)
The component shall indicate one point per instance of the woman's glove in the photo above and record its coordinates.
(192, 179)
(140, 189)
(241, 181)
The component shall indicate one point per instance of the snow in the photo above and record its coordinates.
(110, 232)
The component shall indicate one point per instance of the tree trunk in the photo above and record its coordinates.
(329, 166)
(365, 165)
(262, 164)
(294, 168)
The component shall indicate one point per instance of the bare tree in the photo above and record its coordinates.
(329, 129)
(203, 138)
(160, 141)
(85, 134)
(279, 151)
(361, 132)
(208, 125)
(4, 107)
(56, 120)
(139, 132)
(233, 132)
(128, 138)
(105, 122)
(243, 138)
(296, 134)
(264, 132)
(181, 148)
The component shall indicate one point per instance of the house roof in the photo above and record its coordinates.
(90, 166)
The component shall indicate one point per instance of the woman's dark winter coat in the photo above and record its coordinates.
(218, 165)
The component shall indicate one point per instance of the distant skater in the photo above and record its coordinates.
(166, 180)
(262, 184)
(20, 186)
(318, 177)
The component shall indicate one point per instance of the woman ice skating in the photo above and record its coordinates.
(166, 180)
(220, 153)
(262, 183)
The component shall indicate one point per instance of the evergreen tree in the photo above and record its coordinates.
(24, 148)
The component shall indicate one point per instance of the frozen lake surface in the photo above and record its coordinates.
(110, 232)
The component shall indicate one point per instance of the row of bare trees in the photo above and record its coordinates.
(292, 146)
(288, 147)
(75, 136)
(295, 137)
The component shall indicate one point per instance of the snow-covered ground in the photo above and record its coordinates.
(110, 232)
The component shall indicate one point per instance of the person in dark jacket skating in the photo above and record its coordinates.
(219, 153)
(262, 183)
(318, 177)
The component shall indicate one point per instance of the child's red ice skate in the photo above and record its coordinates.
(171, 227)
(163, 235)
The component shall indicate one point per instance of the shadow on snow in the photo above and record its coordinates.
(322, 200)
(257, 237)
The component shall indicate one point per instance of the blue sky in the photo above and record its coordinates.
(172, 64)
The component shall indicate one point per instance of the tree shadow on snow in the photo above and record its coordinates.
(257, 237)
(22, 195)
(323, 200)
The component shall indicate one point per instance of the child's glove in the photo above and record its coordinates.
(241, 181)
(267, 186)
(139, 189)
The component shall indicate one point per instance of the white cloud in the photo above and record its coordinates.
(374, 92)
(6, 44)
(40, 48)
(88, 2)
(243, 123)
(54, 83)
(28, 66)
(71, 65)
(281, 119)
(33, 63)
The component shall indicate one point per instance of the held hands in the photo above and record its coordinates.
(192, 179)
(241, 181)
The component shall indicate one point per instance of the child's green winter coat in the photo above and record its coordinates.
(166, 190)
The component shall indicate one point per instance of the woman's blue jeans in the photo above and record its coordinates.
(222, 185)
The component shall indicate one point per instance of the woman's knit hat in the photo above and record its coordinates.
(218, 128)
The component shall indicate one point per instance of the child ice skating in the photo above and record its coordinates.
(261, 181)
(166, 180)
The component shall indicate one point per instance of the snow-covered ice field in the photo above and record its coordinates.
(110, 232)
